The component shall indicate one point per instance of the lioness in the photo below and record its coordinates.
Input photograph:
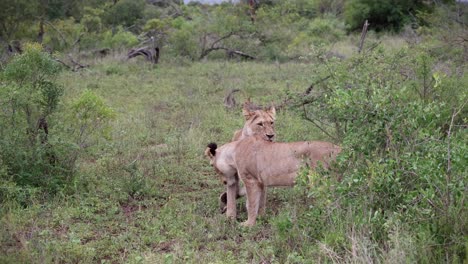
(258, 121)
(260, 164)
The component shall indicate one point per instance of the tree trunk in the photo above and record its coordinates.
(40, 35)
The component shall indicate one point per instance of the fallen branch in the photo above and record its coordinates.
(151, 54)
(75, 65)
(230, 52)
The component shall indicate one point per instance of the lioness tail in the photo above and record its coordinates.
(212, 146)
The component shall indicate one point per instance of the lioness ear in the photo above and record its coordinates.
(247, 113)
(272, 111)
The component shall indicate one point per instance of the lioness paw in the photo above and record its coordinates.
(247, 224)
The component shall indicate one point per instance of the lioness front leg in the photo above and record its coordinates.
(254, 193)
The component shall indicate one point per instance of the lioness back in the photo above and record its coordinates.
(276, 164)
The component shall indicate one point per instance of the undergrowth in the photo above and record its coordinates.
(140, 190)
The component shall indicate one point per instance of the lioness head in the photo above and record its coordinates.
(260, 122)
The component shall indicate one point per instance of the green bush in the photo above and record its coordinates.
(120, 39)
(62, 34)
(125, 12)
(30, 95)
(183, 41)
(382, 14)
(92, 19)
(399, 163)
(327, 29)
(319, 31)
(90, 118)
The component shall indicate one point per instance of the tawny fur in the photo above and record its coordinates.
(260, 164)
(258, 121)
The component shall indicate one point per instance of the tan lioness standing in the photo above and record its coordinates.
(258, 121)
(260, 164)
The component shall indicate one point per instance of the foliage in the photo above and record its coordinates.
(134, 187)
(381, 14)
(125, 12)
(91, 117)
(121, 39)
(403, 145)
(30, 95)
(448, 24)
(92, 19)
(11, 15)
(182, 40)
(154, 24)
(62, 34)
(320, 31)
(29, 87)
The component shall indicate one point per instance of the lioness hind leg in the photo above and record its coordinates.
(254, 193)
(223, 198)
(231, 194)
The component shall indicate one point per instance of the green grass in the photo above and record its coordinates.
(149, 195)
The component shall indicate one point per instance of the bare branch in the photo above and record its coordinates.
(319, 127)
(363, 36)
(449, 133)
(58, 31)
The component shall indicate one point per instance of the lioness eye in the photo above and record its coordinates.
(260, 124)
(272, 123)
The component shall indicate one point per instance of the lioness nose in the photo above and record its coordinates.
(270, 136)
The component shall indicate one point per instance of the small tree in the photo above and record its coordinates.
(29, 95)
(380, 13)
(125, 12)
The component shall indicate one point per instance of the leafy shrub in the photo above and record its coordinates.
(319, 31)
(400, 164)
(328, 29)
(92, 19)
(90, 117)
(154, 24)
(183, 41)
(30, 95)
(334, 7)
(63, 34)
(125, 12)
(380, 13)
(120, 39)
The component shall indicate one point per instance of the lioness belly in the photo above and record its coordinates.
(280, 175)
